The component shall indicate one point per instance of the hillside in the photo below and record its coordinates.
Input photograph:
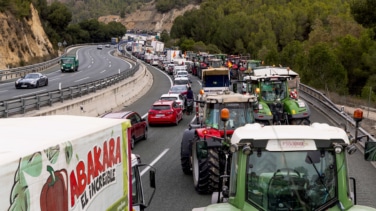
(147, 18)
(22, 41)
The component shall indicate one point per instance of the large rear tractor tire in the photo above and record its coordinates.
(186, 165)
(205, 171)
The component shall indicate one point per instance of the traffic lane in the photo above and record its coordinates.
(172, 184)
(364, 173)
(161, 85)
(57, 79)
(164, 141)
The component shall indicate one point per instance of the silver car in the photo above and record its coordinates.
(32, 80)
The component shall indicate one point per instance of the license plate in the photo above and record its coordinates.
(23, 86)
(159, 115)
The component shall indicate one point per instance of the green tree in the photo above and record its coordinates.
(58, 16)
(349, 52)
(324, 70)
(364, 12)
(187, 45)
(165, 37)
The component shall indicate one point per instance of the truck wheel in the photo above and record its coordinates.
(205, 171)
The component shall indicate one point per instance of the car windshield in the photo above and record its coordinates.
(182, 74)
(161, 107)
(169, 98)
(181, 81)
(32, 76)
(67, 61)
(178, 88)
(303, 180)
(240, 114)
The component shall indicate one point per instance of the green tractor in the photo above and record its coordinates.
(290, 167)
(275, 89)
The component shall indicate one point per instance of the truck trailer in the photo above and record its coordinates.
(63, 162)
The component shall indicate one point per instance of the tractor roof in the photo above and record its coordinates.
(229, 97)
(267, 71)
(316, 131)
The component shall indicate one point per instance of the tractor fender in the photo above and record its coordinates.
(212, 143)
(186, 142)
(292, 108)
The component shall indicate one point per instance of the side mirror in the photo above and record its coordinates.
(370, 151)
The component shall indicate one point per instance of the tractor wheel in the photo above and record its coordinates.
(205, 171)
(186, 165)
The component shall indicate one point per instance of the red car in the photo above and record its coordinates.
(165, 112)
(139, 129)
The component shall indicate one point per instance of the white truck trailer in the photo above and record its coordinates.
(69, 163)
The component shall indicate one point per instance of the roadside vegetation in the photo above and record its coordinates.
(330, 43)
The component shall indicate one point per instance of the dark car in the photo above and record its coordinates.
(32, 80)
(139, 129)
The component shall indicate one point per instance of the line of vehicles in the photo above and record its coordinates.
(252, 147)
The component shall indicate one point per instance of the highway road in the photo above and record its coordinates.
(162, 149)
(94, 65)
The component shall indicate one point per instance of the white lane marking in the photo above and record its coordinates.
(154, 161)
(103, 71)
(82, 79)
(3, 91)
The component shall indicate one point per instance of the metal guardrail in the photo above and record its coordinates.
(325, 105)
(22, 71)
(18, 72)
(36, 101)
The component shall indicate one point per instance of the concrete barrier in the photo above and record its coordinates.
(113, 98)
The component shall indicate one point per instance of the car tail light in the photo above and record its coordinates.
(151, 112)
(184, 93)
(169, 112)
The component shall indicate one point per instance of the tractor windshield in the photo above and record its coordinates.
(273, 90)
(67, 61)
(303, 180)
(240, 114)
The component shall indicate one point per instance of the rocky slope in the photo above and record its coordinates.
(147, 18)
(22, 41)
